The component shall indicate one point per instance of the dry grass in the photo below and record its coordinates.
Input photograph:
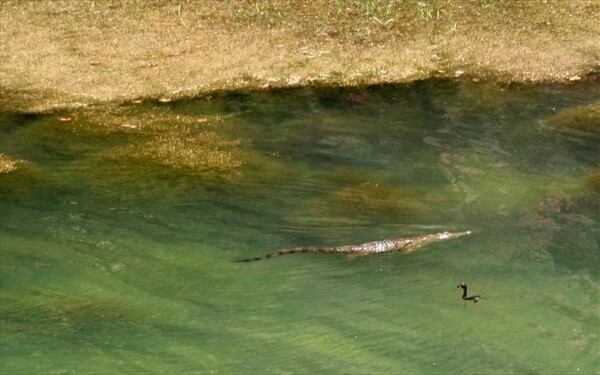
(67, 53)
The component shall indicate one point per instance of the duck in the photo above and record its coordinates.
(474, 298)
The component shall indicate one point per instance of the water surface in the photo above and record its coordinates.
(119, 232)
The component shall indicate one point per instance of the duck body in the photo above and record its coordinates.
(474, 298)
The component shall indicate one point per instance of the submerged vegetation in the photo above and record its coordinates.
(7, 164)
(193, 155)
(65, 316)
(165, 144)
(583, 118)
(131, 146)
(579, 126)
(593, 182)
(376, 202)
(163, 139)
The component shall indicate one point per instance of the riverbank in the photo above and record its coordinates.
(69, 54)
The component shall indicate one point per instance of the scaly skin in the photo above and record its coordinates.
(404, 245)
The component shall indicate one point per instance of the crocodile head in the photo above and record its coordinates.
(420, 241)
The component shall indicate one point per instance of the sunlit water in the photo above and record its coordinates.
(128, 267)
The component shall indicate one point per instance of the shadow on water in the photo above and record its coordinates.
(119, 227)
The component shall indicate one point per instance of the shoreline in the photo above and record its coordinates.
(63, 55)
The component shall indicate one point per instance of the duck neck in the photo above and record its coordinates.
(464, 288)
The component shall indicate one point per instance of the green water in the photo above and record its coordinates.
(119, 231)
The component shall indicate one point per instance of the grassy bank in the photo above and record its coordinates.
(64, 54)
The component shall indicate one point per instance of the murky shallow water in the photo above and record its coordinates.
(118, 233)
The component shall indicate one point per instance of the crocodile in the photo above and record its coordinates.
(404, 245)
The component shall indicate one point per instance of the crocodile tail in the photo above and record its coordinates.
(296, 250)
